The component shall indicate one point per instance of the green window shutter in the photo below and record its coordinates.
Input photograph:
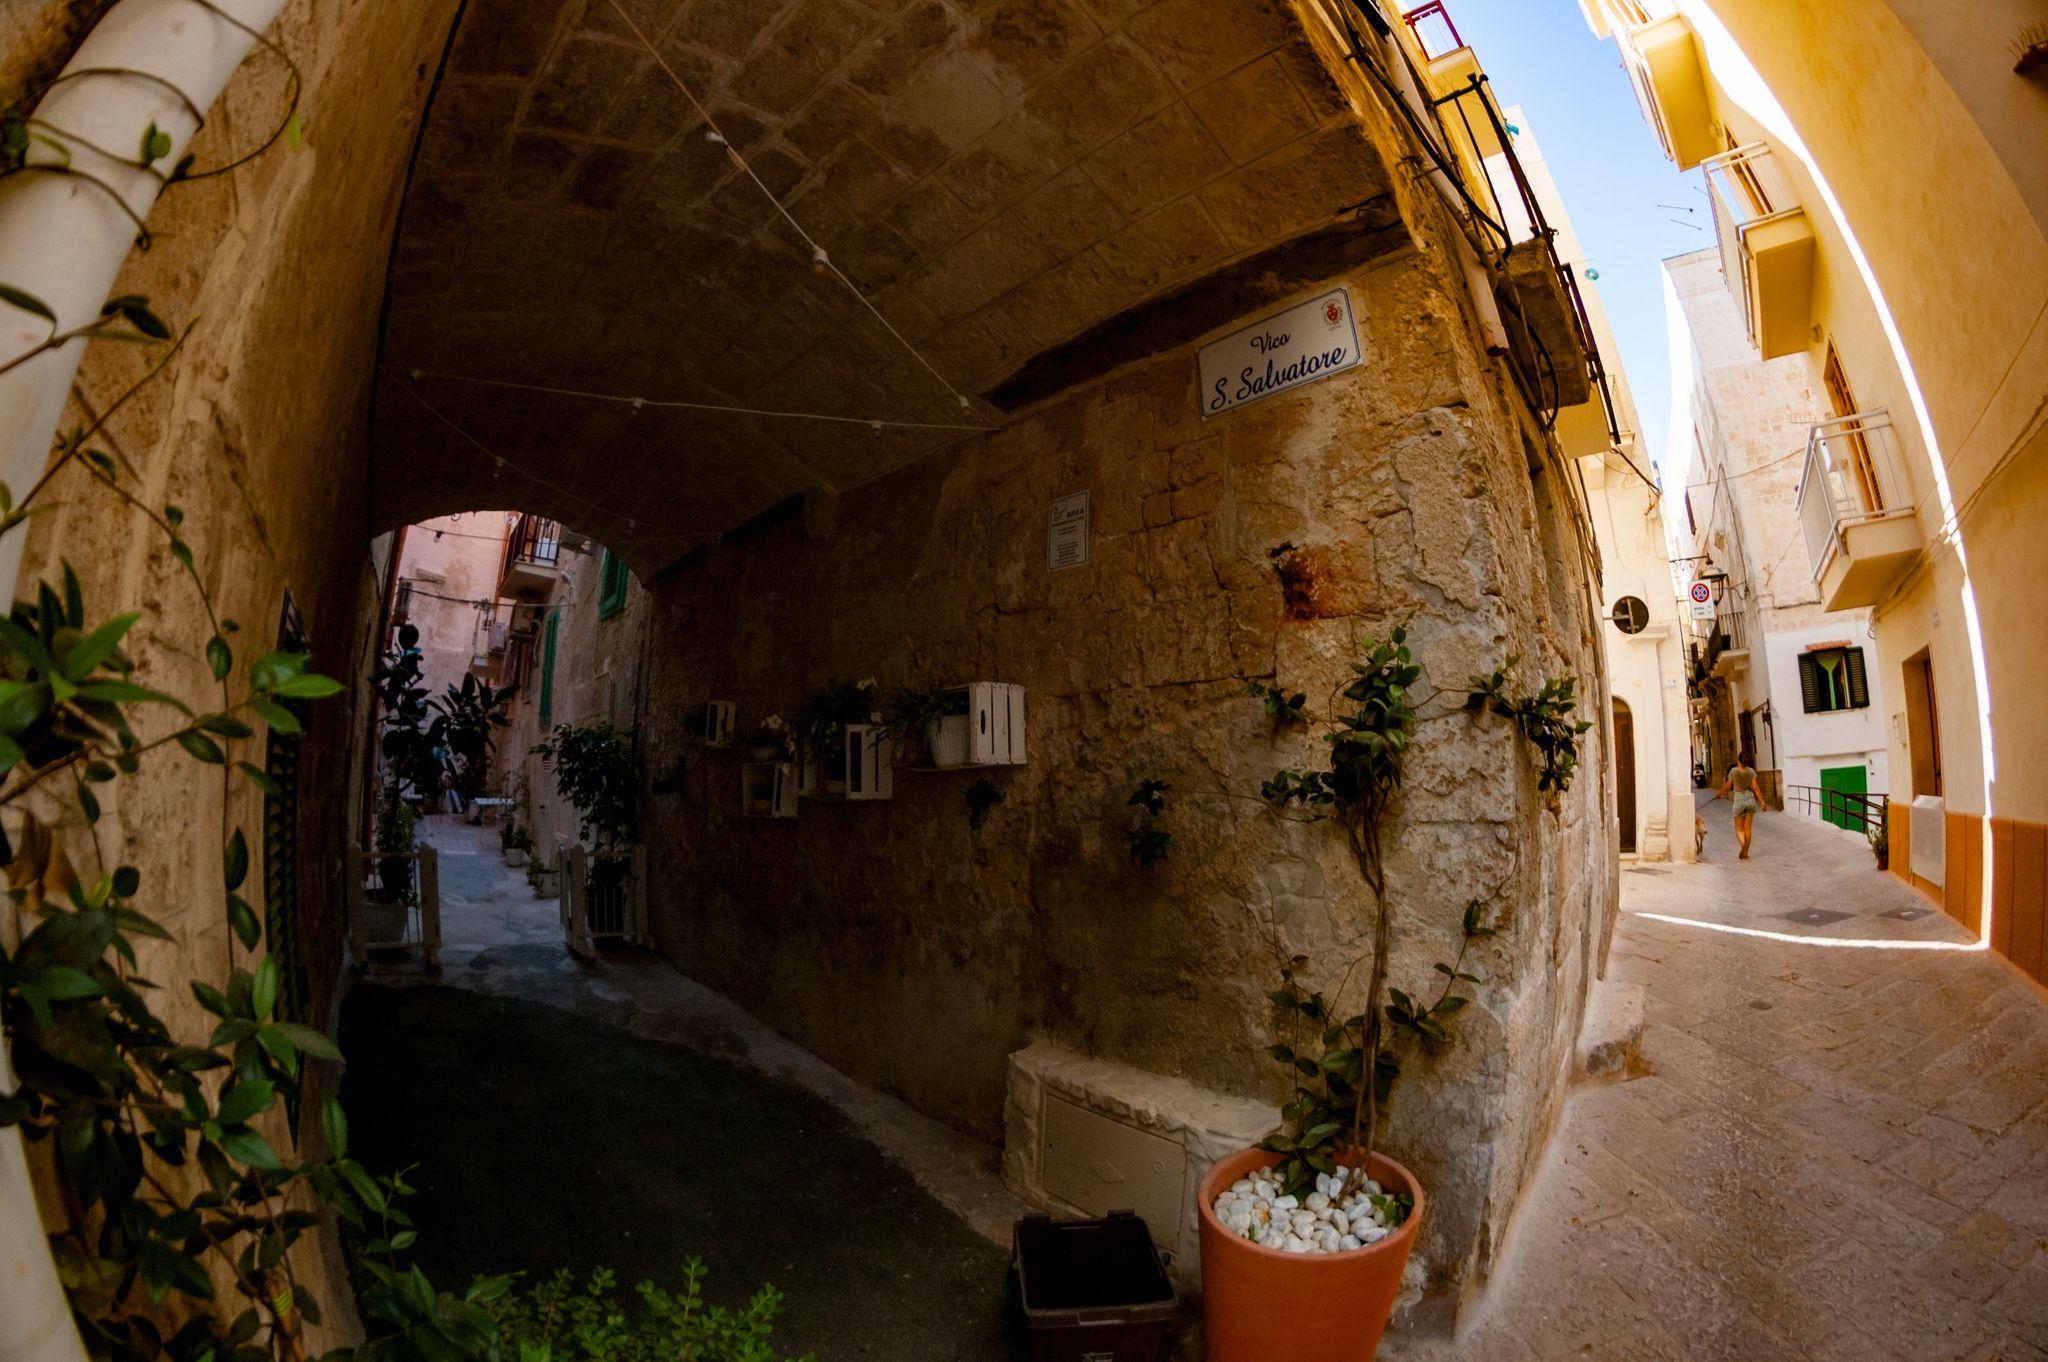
(547, 672)
(1809, 682)
(612, 579)
(1859, 684)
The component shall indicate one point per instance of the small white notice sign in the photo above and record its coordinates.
(1702, 610)
(1066, 534)
(1309, 341)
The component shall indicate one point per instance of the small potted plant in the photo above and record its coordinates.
(910, 719)
(821, 729)
(769, 740)
(1880, 842)
(1306, 1237)
(514, 842)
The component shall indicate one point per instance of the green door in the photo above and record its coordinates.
(1843, 813)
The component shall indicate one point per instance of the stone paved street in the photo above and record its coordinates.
(1838, 1148)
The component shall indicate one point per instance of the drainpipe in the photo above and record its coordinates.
(63, 239)
(1477, 282)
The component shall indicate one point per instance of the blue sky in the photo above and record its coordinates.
(1541, 55)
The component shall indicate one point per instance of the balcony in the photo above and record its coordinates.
(1856, 510)
(1665, 66)
(1728, 644)
(1767, 247)
(531, 565)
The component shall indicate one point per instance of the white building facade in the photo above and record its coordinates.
(1773, 671)
(1643, 638)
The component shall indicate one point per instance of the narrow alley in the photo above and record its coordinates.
(1834, 1146)
(1042, 676)
(1763, 1182)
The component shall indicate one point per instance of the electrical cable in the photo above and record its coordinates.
(676, 404)
(500, 462)
(819, 257)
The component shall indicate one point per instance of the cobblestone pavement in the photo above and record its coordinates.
(1838, 1148)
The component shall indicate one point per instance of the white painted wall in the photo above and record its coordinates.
(1807, 743)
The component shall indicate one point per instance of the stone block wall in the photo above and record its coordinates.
(917, 952)
(257, 431)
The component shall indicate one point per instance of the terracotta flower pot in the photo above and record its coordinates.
(1260, 1304)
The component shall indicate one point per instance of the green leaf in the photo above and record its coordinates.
(309, 687)
(307, 1039)
(235, 860)
(225, 726)
(248, 1147)
(263, 993)
(294, 132)
(334, 1124)
(244, 1100)
(145, 321)
(280, 719)
(201, 747)
(97, 646)
(127, 693)
(182, 551)
(212, 999)
(218, 657)
(156, 144)
(261, 780)
(61, 983)
(279, 1047)
(27, 302)
(243, 919)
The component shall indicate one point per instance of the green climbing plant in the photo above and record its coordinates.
(1543, 718)
(178, 1180)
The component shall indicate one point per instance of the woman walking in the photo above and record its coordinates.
(1742, 780)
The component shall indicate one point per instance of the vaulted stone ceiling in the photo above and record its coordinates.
(1000, 177)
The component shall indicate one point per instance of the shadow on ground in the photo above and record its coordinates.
(544, 1140)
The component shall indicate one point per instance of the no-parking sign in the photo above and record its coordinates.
(1702, 601)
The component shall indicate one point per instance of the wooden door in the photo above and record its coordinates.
(1625, 773)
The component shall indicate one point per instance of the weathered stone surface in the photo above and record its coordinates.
(1023, 171)
(1399, 489)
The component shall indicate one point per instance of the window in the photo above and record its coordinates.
(1691, 526)
(1843, 400)
(547, 671)
(1832, 679)
(611, 590)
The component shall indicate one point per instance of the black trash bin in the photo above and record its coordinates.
(1091, 1290)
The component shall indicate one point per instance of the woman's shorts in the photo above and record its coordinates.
(1745, 803)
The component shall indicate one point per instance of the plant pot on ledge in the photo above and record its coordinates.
(1264, 1305)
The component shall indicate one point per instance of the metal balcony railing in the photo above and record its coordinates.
(1748, 188)
(1852, 476)
(1434, 32)
(1732, 630)
(535, 539)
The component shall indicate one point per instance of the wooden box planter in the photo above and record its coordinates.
(768, 789)
(711, 723)
(377, 920)
(862, 768)
(603, 898)
(982, 724)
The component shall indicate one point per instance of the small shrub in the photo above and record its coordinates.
(555, 1321)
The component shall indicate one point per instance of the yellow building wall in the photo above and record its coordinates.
(1933, 285)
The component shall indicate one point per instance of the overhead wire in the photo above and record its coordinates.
(819, 256)
(678, 404)
(500, 462)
